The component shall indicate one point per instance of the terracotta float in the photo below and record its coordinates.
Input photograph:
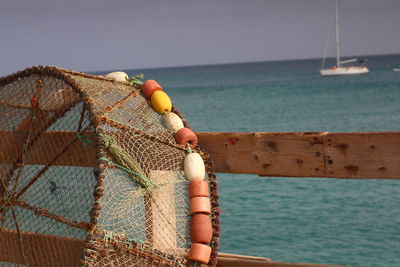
(198, 188)
(186, 136)
(149, 87)
(199, 252)
(200, 205)
(201, 228)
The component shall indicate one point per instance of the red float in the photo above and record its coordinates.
(201, 229)
(199, 252)
(186, 136)
(200, 205)
(148, 88)
(198, 188)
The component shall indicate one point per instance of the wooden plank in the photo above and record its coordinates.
(49, 145)
(369, 155)
(243, 262)
(266, 154)
(244, 257)
(310, 154)
(360, 156)
(36, 248)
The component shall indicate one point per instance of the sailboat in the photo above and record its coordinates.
(341, 68)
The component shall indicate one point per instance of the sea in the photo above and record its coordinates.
(314, 220)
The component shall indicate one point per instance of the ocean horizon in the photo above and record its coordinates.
(330, 59)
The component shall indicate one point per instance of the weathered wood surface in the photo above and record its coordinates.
(249, 262)
(48, 145)
(67, 252)
(314, 154)
(311, 154)
(39, 249)
(235, 260)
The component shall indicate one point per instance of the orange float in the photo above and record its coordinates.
(199, 252)
(200, 205)
(201, 228)
(186, 136)
(198, 188)
(148, 88)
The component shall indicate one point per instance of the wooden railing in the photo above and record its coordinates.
(368, 155)
(305, 154)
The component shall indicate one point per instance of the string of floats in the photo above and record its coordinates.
(200, 206)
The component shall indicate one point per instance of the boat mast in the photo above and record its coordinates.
(337, 34)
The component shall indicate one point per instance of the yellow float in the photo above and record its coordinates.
(161, 102)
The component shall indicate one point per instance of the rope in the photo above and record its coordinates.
(34, 109)
(327, 43)
(19, 236)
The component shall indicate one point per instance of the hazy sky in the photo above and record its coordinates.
(89, 35)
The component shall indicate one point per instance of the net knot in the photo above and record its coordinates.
(189, 150)
(85, 140)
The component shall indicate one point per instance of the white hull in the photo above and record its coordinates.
(396, 69)
(344, 71)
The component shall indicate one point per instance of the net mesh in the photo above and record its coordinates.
(90, 176)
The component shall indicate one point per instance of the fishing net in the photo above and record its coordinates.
(90, 176)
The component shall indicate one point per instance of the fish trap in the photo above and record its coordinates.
(90, 176)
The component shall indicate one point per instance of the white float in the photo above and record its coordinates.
(193, 167)
(119, 76)
(173, 122)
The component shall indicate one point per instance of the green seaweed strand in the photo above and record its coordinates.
(136, 80)
(126, 162)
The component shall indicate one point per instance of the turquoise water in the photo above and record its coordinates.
(347, 222)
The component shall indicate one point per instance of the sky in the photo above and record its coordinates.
(95, 35)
